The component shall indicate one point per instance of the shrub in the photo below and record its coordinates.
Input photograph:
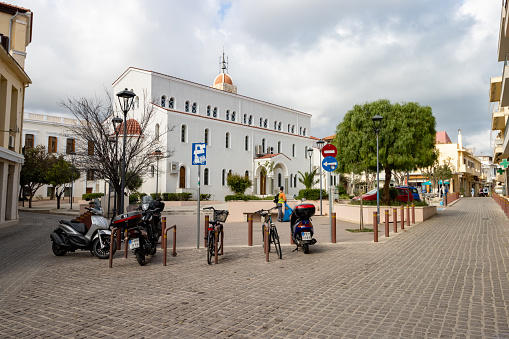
(393, 193)
(174, 196)
(312, 194)
(238, 183)
(136, 197)
(341, 190)
(205, 197)
(91, 195)
(242, 197)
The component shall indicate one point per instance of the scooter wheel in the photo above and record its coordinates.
(100, 252)
(140, 257)
(57, 250)
(305, 247)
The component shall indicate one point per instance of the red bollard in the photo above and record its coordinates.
(375, 227)
(126, 243)
(249, 230)
(119, 241)
(408, 215)
(206, 230)
(266, 242)
(215, 247)
(111, 245)
(413, 213)
(163, 230)
(386, 223)
(395, 219)
(333, 231)
(402, 217)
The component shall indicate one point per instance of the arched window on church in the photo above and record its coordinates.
(163, 101)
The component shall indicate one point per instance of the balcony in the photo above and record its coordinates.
(498, 118)
(503, 38)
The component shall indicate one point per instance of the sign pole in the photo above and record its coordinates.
(198, 212)
(331, 199)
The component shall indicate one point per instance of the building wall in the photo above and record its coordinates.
(220, 159)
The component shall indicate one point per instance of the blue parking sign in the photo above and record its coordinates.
(199, 154)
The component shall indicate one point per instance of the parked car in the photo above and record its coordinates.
(402, 195)
(414, 192)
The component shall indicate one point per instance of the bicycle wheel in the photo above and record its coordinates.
(275, 240)
(210, 247)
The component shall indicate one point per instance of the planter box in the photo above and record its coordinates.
(351, 213)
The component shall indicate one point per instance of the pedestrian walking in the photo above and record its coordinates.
(281, 201)
(472, 192)
(485, 191)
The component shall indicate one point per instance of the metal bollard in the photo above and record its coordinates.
(126, 243)
(266, 242)
(111, 245)
(333, 223)
(386, 223)
(375, 227)
(165, 243)
(413, 213)
(206, 230)
(163, 232)
(402, 214)
(395, 219)
(215, 247)
(119, 240)
(408, 215)
(249, 230)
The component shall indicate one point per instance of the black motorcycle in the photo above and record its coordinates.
(73, 235)
(143, 228)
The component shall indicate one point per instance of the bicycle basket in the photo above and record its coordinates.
(220, 215)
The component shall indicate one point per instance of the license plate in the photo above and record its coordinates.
(306, 235)
(134, 243)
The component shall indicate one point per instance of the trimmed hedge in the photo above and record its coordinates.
(312, 194)
(91, 196)
(174, 196)
(242, 197)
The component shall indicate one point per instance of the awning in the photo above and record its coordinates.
(426, 183)
(446, 182)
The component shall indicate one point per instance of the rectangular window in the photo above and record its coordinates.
(29, 141)
(52, 144)
(90, 175)
(90, 148)
(70, 146)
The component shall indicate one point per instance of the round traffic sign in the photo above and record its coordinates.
(329, 150)
(329, 164)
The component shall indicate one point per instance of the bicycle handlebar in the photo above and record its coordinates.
(262, 210)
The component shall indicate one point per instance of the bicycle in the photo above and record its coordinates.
(215, 231)
(273, 235)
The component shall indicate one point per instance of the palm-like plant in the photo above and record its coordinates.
(308, 179)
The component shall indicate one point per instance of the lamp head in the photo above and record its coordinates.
(126, 99)
(377, 122)
(320, 143)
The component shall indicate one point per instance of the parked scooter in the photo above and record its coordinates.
(301, 226)
(73, 235)
(151, 210)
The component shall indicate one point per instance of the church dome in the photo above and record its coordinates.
(223, 78)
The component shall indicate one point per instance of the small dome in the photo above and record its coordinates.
(133, 128)
(223, 78)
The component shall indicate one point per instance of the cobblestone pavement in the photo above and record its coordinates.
(444, 278)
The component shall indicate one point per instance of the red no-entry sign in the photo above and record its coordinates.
(329, 150)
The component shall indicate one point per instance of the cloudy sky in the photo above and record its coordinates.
(320, 56)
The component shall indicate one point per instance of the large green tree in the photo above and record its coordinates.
(34, 171)
(406, 139)
(60, 173)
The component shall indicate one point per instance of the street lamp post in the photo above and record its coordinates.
(157, 154)
(320, 145)
(377, 123)
(310, 154)
(126, 100)
(116, 122)
(73, 155)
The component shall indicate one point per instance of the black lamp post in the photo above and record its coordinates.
(116, 121)
(310, 153)
(320, 143)
(157, 154)
(73, 156)
(126, 100)
(377, 123)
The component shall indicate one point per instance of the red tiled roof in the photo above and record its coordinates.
(133, 128)
(270, 156)
(442, 138)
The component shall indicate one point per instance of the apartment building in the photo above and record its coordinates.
(15, 36)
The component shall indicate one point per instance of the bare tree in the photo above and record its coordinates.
(95, 139)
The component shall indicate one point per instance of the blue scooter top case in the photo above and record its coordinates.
(288, 212)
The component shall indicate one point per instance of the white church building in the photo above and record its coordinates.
(242, 135)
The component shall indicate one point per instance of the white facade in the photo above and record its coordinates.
(242, 133)
(50, 131)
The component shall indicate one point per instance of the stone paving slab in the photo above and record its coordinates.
(446, 277)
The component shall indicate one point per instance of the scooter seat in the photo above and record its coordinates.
(78, 226)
